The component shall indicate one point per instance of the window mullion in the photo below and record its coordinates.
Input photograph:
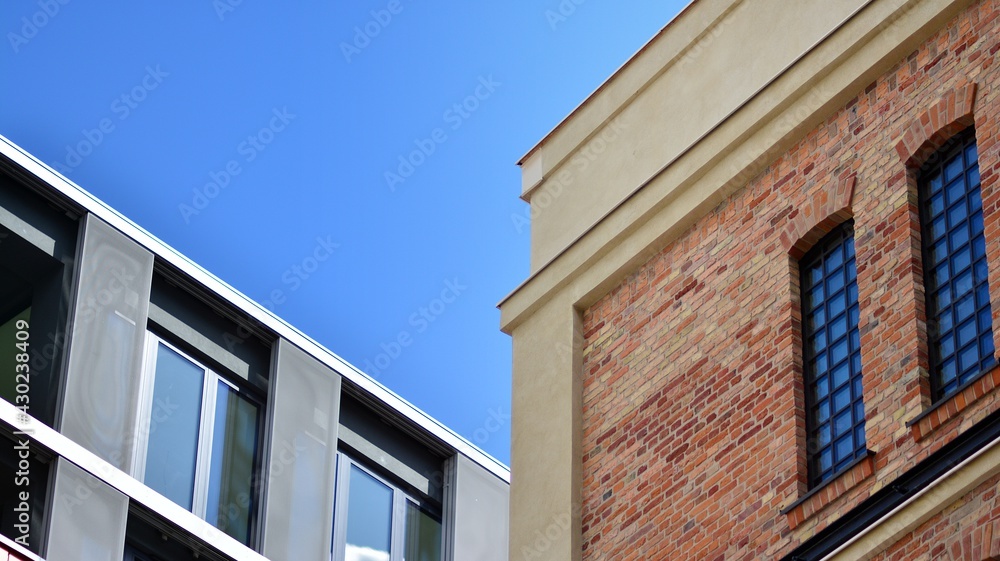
(205, 436)
(398, 524)
(144, 409)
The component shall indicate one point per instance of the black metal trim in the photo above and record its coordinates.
(901, 489)
(934, 406)
(867, 454)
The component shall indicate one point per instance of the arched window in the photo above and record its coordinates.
(959, 321)
(835, 411)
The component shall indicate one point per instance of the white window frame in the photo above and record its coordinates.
(400, 499)
(206, 422)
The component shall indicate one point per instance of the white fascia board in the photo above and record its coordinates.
(98, 208)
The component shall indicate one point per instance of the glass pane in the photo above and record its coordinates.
(971, 155)
(953, 168)
(234, 449)
(173, 426)
(834, 259)
(369, 518)
(423, 535)
(955, 191)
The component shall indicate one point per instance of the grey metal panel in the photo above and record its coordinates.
(476, 523)
(177, 311)
(305, 403)
(370, 436)
(88, 517)
(107, 330)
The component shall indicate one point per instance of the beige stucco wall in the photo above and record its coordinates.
(676, 140)
(610, 151)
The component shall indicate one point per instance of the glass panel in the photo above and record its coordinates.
(837, 304)
(936, 204)
(423, 535)
(966, 332)
(826, 460)
(958, 239)
(971, 154)
(842, 423)
(953, 168)
(834, 259)
(835, 283)
(957, 213)
(955, 191)
(839, 351)
(965, 307)
(840, 374)
(823, 434)
(938, 227)
(969, 358)
(234, 449)
(841, 399)
(173, 426)
(369, 518)
(823, 412)
(845, 447)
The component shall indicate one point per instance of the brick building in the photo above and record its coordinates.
(764, 301)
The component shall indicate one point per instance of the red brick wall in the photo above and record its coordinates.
(693, 435)
(8, 554)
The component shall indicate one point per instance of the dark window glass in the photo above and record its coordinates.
(959, 321)
(202, 444)
(835, 416)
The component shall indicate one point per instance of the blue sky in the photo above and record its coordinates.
(349, 164)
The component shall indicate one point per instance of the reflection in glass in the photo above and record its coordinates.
(173, 427)
(369, 518)
(423, 535)
(234, 447)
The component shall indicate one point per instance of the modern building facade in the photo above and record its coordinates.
(763, 312)
(150, 412)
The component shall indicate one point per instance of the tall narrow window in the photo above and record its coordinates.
(835, 411)
(959, 321)
(199, 443)
(376, 521)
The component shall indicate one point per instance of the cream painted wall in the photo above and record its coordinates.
(609, 158)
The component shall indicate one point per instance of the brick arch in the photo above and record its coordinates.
(828, 208)
(942, 120)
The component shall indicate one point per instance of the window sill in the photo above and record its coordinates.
(818, 498)
(950, 407)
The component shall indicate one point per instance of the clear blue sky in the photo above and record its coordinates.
(254, 135)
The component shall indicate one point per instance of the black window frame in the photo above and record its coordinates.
(944, 334)
(820, 340)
